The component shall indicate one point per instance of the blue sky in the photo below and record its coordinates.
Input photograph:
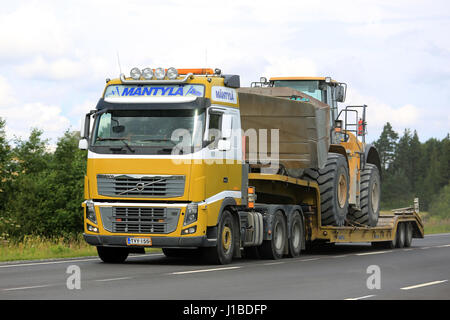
(394, 55)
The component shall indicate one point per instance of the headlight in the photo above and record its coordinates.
(172, 73)
(135, 73)
(160, 73)
(147, 73)
(90, 211)
(191, 213)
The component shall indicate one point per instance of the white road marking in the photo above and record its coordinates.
(370, 253)
(423, 285)
(70, 261)
(408, 249)
(205, 270)
(114, 279)
(25, 288)
(45, 263)
(424, 248)
(443, 246)
(341, 256)
(309, 259)
(272, 263)
(359, 298)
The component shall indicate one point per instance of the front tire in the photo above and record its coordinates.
(223, 252)
(112, 254)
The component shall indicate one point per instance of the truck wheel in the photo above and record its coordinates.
(408, 234)
(112, 254)
(223, 252)
(370, 197)
(296, 239)
(400, 237)
(333, 181)
(274, 248)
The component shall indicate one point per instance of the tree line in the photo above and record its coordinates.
(41, 190)
(414, 169)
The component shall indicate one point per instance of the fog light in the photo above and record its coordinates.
(91, 228)
(189, 230)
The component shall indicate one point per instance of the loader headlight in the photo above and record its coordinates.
(172, 73)
(135, 73)
(90, 211)
(191, 213)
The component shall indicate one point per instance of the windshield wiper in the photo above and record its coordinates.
(159, 140)
(119, 139)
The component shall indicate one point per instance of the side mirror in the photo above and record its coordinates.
(118, 129)
(224, 145)
(83, 144)
(340, 93)
(227, 122)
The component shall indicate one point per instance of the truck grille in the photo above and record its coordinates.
(140, 186)
(139, 219)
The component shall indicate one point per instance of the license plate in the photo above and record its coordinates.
(139, 241)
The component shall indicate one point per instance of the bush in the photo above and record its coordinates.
(440, 205)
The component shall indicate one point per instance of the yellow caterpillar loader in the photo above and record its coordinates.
(331, 150)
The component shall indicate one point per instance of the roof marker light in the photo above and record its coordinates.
(160, 73)
(172, 73)
(135, 73)
(147, 73)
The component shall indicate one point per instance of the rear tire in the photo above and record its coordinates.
(370, 197)
(333, 181)
(408, 234)
(274, 248)
(296, 239)
(112, 254)
(400, 237)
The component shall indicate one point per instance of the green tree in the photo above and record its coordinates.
(5, 163)
(386, 145)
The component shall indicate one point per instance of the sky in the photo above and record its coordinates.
(393, 55)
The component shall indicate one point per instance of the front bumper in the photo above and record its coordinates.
(157, 242)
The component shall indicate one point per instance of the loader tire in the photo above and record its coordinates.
(370, 197)
(333, 181)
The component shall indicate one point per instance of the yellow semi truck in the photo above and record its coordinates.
(180, 159)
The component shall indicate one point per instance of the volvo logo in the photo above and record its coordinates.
(140, 186)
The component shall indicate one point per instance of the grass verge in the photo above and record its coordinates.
(36, 248)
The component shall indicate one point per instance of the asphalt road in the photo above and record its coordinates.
(338, 272)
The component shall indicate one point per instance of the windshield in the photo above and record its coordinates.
(309, 87)
(148, 131)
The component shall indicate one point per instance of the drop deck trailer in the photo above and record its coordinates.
(393, 230)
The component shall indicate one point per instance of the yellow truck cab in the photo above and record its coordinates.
(157, 174)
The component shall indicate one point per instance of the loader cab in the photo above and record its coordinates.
(323, 89)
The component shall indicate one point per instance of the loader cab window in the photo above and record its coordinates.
(312, 88)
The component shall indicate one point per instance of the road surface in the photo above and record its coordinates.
(350, 271)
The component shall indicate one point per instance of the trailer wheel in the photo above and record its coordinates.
(274, 248)
(333, 181)
(370, 197)
(296, 239)
(112, 254)
(223, 252)
(400, 238)
(408, 234)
